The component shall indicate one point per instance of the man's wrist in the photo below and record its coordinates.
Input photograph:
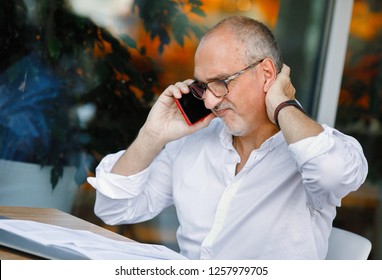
(149, 137)
(284, 104)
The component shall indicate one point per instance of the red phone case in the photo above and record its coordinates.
(186, 117)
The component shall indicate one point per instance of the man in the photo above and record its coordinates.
(257, 179)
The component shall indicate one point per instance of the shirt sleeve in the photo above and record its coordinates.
(331, 164)
(117, 186)
(132, 199)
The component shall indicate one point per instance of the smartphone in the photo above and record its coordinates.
(192, 109)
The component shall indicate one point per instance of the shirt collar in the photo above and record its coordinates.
(226, 138)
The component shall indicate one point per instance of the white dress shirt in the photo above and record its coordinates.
(279, 206)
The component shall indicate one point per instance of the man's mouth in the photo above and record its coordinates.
(220, 111)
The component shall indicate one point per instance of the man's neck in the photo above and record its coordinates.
(244, 145)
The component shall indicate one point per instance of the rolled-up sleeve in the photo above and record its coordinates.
(116, 186)
(332, 165)
(135, 198)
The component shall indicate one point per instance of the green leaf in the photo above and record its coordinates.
(198, 11)
(129, 41)
(55, 174)
(195, 2)
(180, 27)
(199, 31)
(55, 47)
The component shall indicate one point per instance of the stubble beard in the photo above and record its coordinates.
(236, 127)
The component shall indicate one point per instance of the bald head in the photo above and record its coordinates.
(254, 39)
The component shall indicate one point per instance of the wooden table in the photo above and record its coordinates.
(53, 217)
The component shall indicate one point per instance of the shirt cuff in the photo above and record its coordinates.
(117, 186)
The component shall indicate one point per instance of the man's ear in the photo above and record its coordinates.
(269, 73)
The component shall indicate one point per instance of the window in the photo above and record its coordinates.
(359, 114)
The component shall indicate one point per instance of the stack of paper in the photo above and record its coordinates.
(54, 242)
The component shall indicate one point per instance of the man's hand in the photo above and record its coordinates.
(280, 91)
(165, 121)
(294, 124)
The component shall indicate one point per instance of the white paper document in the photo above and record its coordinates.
(54, 242)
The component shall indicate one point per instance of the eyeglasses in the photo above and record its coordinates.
(219, 88)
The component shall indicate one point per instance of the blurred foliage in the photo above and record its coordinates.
(55, 62)
(360, 104)
(162, 18)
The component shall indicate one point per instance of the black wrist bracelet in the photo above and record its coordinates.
(283, 105)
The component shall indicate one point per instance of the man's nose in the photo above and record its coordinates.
(210, 100)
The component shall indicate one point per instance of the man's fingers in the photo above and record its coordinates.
(178, 89)
(285, 70)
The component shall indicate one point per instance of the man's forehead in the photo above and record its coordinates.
(216, 59)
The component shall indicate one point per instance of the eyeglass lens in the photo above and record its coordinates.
(218, 88)
(197, 89)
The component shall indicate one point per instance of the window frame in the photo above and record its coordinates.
(334, 62)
